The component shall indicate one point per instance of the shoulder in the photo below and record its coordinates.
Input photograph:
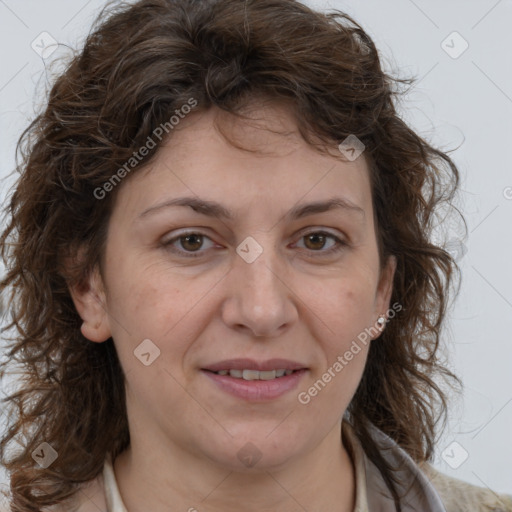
(460, 496)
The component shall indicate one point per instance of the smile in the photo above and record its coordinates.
(255, 374)
(255, 385)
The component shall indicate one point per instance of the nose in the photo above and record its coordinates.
(260, 302)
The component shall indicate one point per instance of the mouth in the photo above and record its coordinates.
(255, 381)
(248, 374)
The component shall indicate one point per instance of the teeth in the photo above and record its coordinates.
(250, 374)
(255, 374)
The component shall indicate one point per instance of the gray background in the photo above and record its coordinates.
(461, 101)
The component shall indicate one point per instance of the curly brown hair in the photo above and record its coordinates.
(139, 64)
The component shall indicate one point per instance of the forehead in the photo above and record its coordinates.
(263, 162)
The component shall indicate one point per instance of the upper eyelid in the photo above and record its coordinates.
(339, 238)
(199, 231)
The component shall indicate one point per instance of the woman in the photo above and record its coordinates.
(296, 341)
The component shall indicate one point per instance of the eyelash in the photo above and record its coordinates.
(340, 244)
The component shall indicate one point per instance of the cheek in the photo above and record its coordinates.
(345, 343)
(343, 306)
(163, 305)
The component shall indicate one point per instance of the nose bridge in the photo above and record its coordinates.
(258, 266)
(262, 301)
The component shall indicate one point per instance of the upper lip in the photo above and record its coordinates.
(251, 364)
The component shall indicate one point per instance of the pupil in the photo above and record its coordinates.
(187, 239)
(317, 236)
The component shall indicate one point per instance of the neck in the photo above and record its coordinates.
(321, 479)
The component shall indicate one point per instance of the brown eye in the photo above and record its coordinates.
(316, 241)
(187, 244)
(191, 242)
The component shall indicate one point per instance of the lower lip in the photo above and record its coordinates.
(257, 390)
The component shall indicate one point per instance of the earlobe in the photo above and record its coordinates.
(90, 302)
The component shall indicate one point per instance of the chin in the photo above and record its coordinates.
(255, 453)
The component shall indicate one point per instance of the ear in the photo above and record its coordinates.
(89, 298)
(385, 288)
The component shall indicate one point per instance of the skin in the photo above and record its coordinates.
(293, 302)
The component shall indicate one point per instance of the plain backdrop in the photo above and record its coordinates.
(459, 51)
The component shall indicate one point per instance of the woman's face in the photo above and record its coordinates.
(268, 280)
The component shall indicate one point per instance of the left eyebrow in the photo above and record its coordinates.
(304, 210)
(216, 210)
